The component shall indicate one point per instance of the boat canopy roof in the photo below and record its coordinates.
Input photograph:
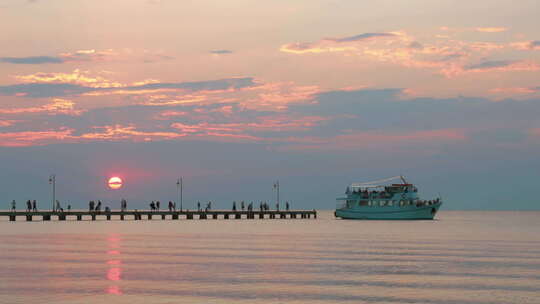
(379, 183)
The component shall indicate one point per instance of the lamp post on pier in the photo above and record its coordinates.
(180, 186)
(52, 181)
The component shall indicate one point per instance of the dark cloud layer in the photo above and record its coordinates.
(360, 37)
(32, 60)
(221, 52)
(490, 64)
(45, 90)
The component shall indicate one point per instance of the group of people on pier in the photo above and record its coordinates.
(92, 206)
(206, 209)
(263, 206)
(155, 206)
(30, 206)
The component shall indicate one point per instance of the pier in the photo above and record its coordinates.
(149, 215)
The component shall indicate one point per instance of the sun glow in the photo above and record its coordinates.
(115, 182)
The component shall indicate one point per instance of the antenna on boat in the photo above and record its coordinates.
(403, 179)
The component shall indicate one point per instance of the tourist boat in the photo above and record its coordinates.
(378, 201)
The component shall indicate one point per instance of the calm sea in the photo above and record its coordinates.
(463, 257)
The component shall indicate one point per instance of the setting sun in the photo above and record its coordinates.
(115, 182)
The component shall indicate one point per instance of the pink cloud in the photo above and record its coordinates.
(513, 90)
(7, 123)
(119, 132)
(57, 106)
(491, 29)
(75, 77)
(341, 44)
(526, 45)
(31, 138)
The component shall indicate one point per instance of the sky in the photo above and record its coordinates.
(234, 95)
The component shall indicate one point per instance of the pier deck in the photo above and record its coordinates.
(148, 215)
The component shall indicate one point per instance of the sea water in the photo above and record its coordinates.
(461, 257)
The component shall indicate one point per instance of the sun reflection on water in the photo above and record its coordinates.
(114, 273)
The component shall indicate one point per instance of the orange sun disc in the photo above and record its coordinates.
(115, 182)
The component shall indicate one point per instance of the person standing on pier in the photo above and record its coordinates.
(13, 206)
(277, 206)
(58, 207)
(243, 206)
(234, 206)
(91, 206)
(28, 206)
(287, 206)
(198, 206)
(157, 205)
(34, 206)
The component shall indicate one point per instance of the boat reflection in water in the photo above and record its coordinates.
(378, 201)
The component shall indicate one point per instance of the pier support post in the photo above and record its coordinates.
(226, 216)
(214, 216)
(121, 217)
(79, 217)
(28, 218)
(238, 216)
(189, 216)
(12, 218)
(202, 216)
(293, 215)
(163, 216)
(108, 217)
(149, 216)
(175, 216)
(314, 214)
(93, 217)
(46, 217)
(261, 215)
(61, 217)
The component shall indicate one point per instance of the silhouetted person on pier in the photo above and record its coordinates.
(91, 206)
(277, 206)
(58, 207)
(174, 206)
(13, 206)
(28, 206)
(157, 205)
(287, 206)
(243, 206)
(152, 206)
(98, 207)
(198, 206)
(69, 208)
(170, 206)
(234, 206)
(34, 206)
